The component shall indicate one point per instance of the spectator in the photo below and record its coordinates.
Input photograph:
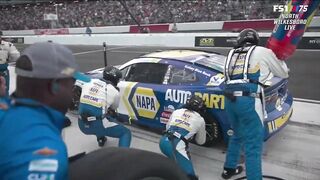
(106, 13)
(88, 31)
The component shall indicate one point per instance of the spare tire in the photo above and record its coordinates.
(124, 164)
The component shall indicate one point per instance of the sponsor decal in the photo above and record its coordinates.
(216, 80)
(314, 41)
(45, 151)
(94, 90)
(51, 31)
(165, 114)
(44, 165)
(197, 70)
(204, 41)
(215, 101)
(91, 98)
(164, 120)
(169, 108)
(145, 102)
(37, 176)
(177, 96)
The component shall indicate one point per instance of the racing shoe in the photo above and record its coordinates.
(101, 141)
(229, 172)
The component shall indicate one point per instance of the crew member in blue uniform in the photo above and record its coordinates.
(183, 125)
(99, 101)
(247, 68)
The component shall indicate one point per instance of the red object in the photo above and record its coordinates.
(254, 24)
(286, 37)
(51, 31)
(157, 28)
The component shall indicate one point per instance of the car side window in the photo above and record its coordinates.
(147, 73)
(124, 72)
(182, 75)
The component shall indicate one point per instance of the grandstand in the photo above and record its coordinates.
(31, 14)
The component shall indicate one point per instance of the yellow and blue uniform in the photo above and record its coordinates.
(97, 97)
(246, 70)
(183, 125)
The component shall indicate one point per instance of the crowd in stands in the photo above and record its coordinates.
(112, 13)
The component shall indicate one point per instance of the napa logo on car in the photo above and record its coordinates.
(145, 102)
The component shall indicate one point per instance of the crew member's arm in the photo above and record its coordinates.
(42, 156)
(276, 66)
(201, 134)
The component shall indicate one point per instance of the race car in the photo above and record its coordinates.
(156, 84)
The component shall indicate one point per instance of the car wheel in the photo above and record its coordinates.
(76, 98)
(214, 135)
(124, 164)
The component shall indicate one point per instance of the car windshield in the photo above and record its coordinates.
(214, 61)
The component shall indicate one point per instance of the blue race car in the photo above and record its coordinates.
(156, 84)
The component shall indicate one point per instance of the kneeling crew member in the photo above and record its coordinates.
(98, 98)
(183, 125)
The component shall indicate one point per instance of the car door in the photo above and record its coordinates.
(141, 90)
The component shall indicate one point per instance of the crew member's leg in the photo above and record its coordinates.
(253, 138)
(116, 130)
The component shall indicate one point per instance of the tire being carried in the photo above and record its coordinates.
(124, 164)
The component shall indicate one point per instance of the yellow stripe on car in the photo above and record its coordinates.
(279, 122)
(125, 99)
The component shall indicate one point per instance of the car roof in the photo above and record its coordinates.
(207, 59)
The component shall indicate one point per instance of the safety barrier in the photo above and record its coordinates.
(310, 40)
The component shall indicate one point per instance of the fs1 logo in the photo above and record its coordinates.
(293, 8)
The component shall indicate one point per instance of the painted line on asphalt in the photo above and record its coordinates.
(135, 52)
(307, 100)
(99, 50)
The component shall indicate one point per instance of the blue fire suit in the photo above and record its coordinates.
(97, 97)
(182, 126)
(8, 52)
(31, 143)
(246, 71)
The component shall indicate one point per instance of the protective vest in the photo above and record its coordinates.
(241, 62)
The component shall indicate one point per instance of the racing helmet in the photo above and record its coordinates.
(248, 36)
(195, 103)
(112, 74)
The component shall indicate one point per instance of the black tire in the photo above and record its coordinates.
(214, 135)
(76, 98)
(124, 164)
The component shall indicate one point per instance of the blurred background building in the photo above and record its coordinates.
(39, 14)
